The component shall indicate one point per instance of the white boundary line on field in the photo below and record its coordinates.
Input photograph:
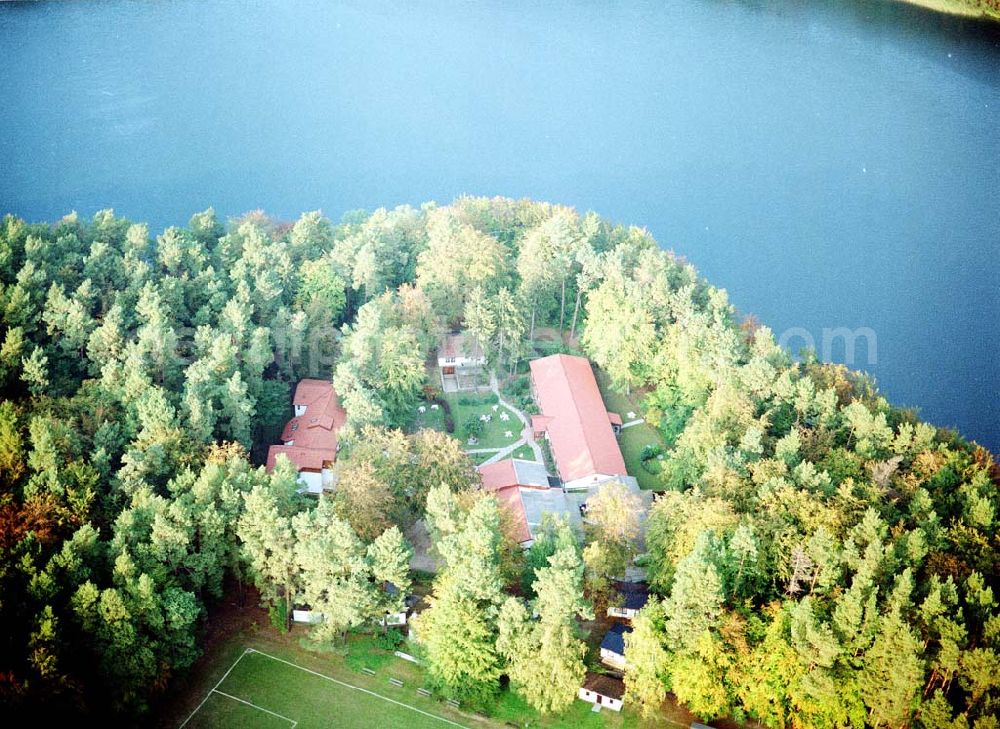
(259, 708)
(224, 677)
(350, 686)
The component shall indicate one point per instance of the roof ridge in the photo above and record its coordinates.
(579, 411)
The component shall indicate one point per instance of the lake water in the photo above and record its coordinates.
(832, 164)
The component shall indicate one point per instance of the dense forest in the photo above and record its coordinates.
(817, 557)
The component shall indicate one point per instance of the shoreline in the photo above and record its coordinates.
(956, 8)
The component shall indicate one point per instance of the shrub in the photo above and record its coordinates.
(517, 387)
(488, 398)
(279, 615)
(365, 652)
(474, 426)
(390, 640)
(651, 451)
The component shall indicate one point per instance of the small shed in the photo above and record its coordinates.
(310, 617)
(613, 646)
(634, 598)
(603, 691)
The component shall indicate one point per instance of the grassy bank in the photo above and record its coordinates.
(966, 8)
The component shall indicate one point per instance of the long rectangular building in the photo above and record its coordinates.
(580, 430)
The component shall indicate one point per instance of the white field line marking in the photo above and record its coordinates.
(260, 708)
(356, 688)
(224, 677)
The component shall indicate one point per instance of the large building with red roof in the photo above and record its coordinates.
(518, 486)
(580, 430)
(309, 439)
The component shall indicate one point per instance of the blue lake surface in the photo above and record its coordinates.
(831, 163)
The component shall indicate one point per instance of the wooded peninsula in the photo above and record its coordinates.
(526, 447)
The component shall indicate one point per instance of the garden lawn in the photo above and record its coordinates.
(293, 694)
(432, 419)
(524, 453)
(632, 440)
(493, 431)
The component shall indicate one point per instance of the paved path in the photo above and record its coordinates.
(629, 424)
(527, 435)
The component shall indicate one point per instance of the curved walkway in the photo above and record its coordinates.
(527, 435)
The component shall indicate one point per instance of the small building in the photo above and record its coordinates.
(305, 615)
(603, 691)
(634, 598)
(309, 439)
(461, 360)
(613, 646)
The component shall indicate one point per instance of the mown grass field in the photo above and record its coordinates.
(267, 690)
(466, 406)
(309, 689)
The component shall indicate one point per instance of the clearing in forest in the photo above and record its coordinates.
(261, 690)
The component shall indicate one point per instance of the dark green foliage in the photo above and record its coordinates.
(474, 426)
(124, 364)
(825, 559)
(278, 613)
(390, 640)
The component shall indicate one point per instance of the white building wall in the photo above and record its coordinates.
(590, 696)
(300, 410)
(620, 612)
(587, 482)
(394, 619)
(312, 481)
(612, 659)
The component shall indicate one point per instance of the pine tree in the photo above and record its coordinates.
(647, 662)
(892, 669)
(545, 656)
(695, 602)
(334, 573)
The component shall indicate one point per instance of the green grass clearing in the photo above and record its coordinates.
(633, 439)
(494, 432)
(524, 453)
(430, 418)
(481, 458)
(279, 692)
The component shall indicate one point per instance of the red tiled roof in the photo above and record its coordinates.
(510, 499)
(305, 459)
(459, 345)
(615, 418)
(539, 424)
(501, 480)
(314, 433)
(499, 475)
(324, 416)
(613, 688)
(579, 430)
